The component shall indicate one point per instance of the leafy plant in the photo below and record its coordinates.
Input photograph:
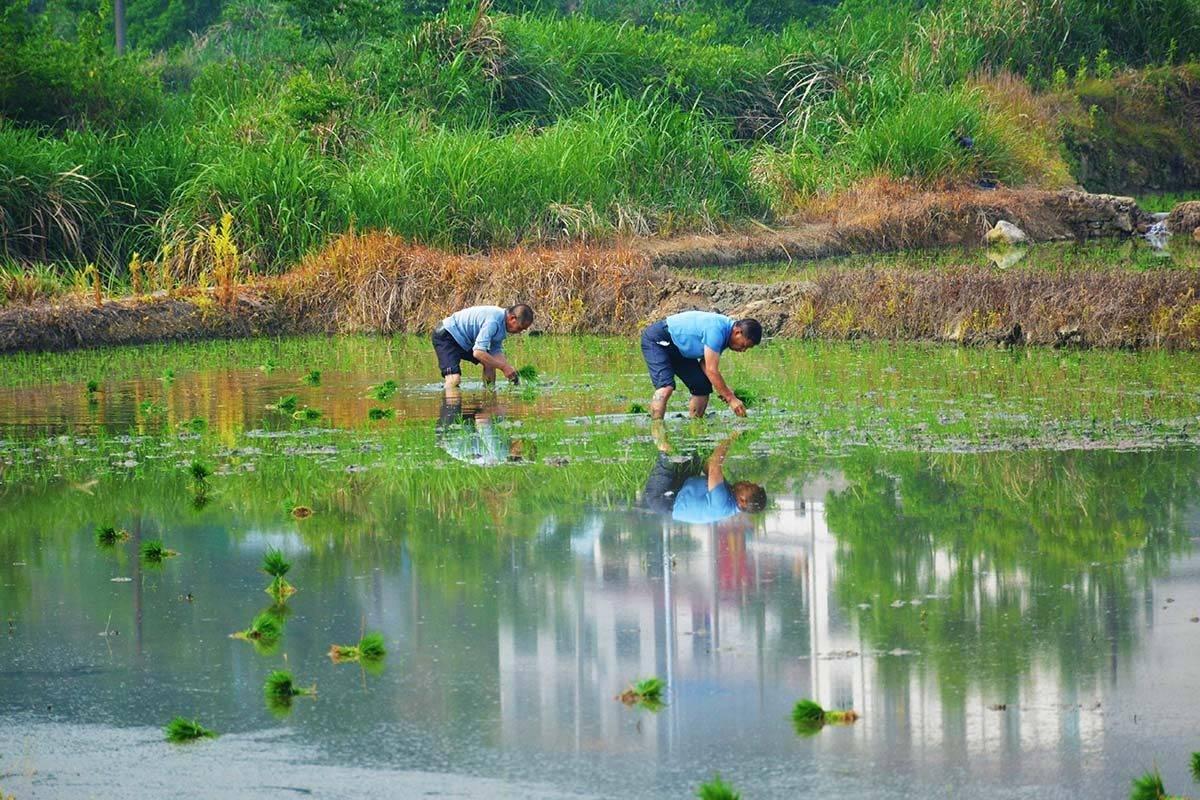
(381, 413)
(199, 471)
(646, 693)
(154, 552)
(369, 648)
(384, 391)
(265, 629)
(276, 565)
(180, 730)
(313, 378)
(808, 716)
(287, 404)
(1148, 787)
(107, 535)
(717, 789)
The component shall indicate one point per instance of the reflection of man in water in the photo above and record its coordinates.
(473, 436)
(697, 492)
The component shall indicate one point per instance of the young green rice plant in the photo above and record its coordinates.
(265, 629)
(154, 552)
(93, 386)
(150, 408)
(1196, 767)
(369, 648)
(287, 404)
(381, 413)
(384, 391)
(280, 689)
(528, 373)
(313, 378)
(637, 408)
(1148, 787)
(168, 375)
(647, 693)
(269, 365)
(748, 396)
(180, 730)
(809, 717)
(108, 536)
(276, 565)
(195, 425)
(199, 471)
(717, 789)
(306, 414)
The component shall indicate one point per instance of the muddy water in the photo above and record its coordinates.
(1008, 624)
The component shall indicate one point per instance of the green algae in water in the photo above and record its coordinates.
(377, 414)
(276, 565)
(180, 730)
(154, 552)
(313, 378)
(370, 648)
(287, 404)
(717, 789)
(108, 536)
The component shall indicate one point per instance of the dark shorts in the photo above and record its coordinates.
(666, 479)
(665, 362)
(450, 353)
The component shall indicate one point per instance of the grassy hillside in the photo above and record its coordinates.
(470, 126)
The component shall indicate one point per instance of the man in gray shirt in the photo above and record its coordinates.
(476, 334)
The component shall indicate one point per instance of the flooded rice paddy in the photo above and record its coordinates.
(990, 556)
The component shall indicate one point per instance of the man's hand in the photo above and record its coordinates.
(512, 375)
(737, 407)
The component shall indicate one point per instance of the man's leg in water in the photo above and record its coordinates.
(698, 405)
(658, 404)
(489, 375)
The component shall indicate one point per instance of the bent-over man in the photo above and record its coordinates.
(476, 334)
(689, 345)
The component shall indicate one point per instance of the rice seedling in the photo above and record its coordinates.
(528, 373)
(717, 789)
(306, 414)
(265, 629)
(93, 386)
(180, 730)
(646, 693)
(637, 408)
(199, 471)
(154, 552)
(150, 408)
(302, 512)
(369, 648)
(381, 413)
(276, 565)
(1148, 787)
(168, 375)
(107, 535)
(269, 365)
(280, 684)
(287, 404)
(1196, 767)
(748, 396)
(383, 391)
(809, 717)
(313, 378)
(195, 425)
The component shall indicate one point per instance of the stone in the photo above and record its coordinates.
(1184, 217)
(1005, 233)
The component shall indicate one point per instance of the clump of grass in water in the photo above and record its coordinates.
(1196, 767)
(287, 404)
(279, 689)
(269, 365)
(199, 471)
(381, 413)
(265, 629)
(107, 535)
(93, 387)
(196, 425)
(809, 717)
(276, 565)
(637, 408)
(384, 391)
(153, 551)
(313, 378)
(717, 789)
(369, 648)
(181, 730)
(1148, 787)
(528, 373)
(646, 693)
(308, 413)
(749, 397)
(168, 375)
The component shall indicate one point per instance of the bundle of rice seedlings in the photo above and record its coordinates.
(279, 690)
(369, 648)
(287, 404)
(808, 716)
(199, 471)
(307, 414)
(749, 397)
(313, 378)
(646, 693)
(154, 552)
(528, 373)
(181, 730)
(717, 789)
(107, 535)
(276, 565)
(381, 413)
(384, 391)
(265, 629)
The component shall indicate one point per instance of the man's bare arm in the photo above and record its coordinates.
(497, 361)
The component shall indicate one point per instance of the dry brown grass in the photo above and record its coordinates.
(380, 282)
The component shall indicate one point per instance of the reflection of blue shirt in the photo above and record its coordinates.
(696, 504)
(475, 442)
(692, 331)
(477, 328)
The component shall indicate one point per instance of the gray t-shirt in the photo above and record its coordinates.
(477, 328)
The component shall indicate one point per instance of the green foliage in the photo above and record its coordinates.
(1148, 787)
(93, 386)
(749, 397)
(199, 471)
(381, 413)
(1196, 767)
(808, 712)
(265, 629)
(287, 403)
(528, 373)
(371, 646)
(181, 730)
(312, 378)
(384, 391)
(279, 684)
(107, 535)
(306, 414)
(275, 563)
(650, 688)
(154, 552)
(717, 789)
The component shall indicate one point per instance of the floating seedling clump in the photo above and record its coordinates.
(265, 629)
(717, 789)
(384, 391)
(313, 378)
(646, 693)
(279, 690)
(276, 565)
(369, 648)
(181, 730)
(1148, 787)
(107, 535)
(199, 471)
(306, 414)
(287, 404)
(809, 717)
(93, 387)
(154, 552)
(381, 413)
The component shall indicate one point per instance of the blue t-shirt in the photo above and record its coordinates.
(696, 504)
(477, 328)
(692, 331)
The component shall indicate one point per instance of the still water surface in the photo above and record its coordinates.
(1008, 624)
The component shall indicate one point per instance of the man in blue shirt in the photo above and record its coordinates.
(689, 345)
(695, 493)
(476, 334)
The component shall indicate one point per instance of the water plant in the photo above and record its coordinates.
(276, 565)
(717, 789)
(369, 648)
(808, 716)
(381, 413)
(181, 730)
(384, 391)
(199, 471)
(154, 552)
(646, 693)
(107, 535)
(313, 378)
(265, 629)
(287, 404)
